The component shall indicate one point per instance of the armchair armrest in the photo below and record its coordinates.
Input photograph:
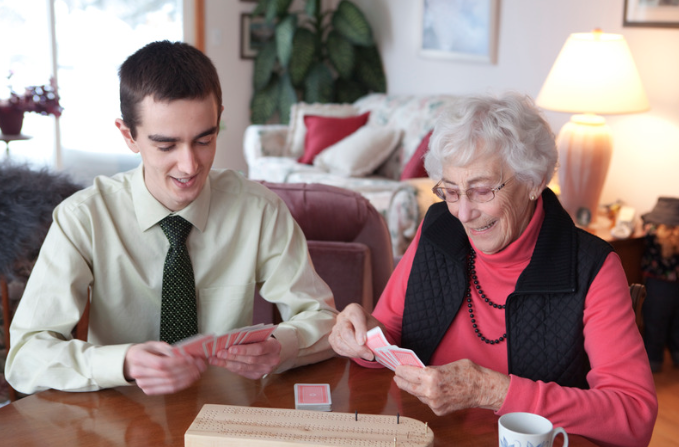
(264, 140)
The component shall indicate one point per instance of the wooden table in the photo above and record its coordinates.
(125, 416)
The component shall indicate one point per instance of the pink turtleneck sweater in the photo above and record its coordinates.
(620, 407)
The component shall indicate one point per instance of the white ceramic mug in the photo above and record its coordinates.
(527, 430)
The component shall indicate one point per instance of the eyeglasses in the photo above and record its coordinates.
(478, 195)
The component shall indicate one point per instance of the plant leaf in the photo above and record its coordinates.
(369, 69)
(282, 7)
(261, 8)
(287, 96)
(350, 22)
(265, 63)
(285, 32)
(312, 7)
(319, 85)
(271, 11)
(265, 102)
(341, 54)
(303, 50)
(348, 90)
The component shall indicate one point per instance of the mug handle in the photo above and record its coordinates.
(558, 430)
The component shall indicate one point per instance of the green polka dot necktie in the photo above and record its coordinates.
(178, 312)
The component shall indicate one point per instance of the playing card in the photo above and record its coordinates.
(376, 339)
(313, 396)
(192, 346)
(405, 356)
(238, 334)
(223, 342)
(387, 354)
(209, 347)
(257, 335)
(384, 359)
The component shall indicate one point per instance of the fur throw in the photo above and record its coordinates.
(27, 199)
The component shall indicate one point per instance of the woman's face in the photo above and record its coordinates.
(492, 225)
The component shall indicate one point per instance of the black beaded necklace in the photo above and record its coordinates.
(471, 271)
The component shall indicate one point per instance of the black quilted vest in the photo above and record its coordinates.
(544, 314)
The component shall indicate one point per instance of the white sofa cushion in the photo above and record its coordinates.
(360, 153)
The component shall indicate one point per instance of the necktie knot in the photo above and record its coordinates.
(176, 229)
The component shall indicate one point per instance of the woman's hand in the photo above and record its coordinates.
(455, 386)
(349, 334)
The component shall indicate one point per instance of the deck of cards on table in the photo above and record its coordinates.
(202, 345)
(390, 355)
(313, 396)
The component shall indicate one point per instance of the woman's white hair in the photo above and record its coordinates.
(510, 126)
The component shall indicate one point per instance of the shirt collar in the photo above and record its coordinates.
(150, 211)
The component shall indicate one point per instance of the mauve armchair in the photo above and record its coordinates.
(348, 241)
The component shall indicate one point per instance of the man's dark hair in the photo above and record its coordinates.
(166, 71)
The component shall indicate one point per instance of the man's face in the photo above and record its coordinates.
(177, 141)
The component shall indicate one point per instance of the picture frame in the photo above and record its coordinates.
(651, 13)
(459, 30)
(254, 32)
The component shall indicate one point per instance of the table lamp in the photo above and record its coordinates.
(593, 74)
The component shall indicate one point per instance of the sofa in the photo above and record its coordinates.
(373, 146)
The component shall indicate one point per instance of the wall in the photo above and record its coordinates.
(222, 38)
(531, 33)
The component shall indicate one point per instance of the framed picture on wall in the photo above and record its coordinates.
(254, 32)
(655, 13)
(459, 29)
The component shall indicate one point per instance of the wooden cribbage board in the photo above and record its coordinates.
(227, 425)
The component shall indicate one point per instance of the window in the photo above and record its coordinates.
(91, 39)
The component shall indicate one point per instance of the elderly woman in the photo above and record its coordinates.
(510, 305)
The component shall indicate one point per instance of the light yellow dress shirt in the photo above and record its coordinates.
(107, 237)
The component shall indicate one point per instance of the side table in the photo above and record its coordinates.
(630, 249)
(9, 138)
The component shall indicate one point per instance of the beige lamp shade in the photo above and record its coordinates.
(594, 73)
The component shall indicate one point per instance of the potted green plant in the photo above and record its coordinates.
(42, 99)
(314, 55)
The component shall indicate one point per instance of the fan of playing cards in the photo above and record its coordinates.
(390, 355)
(202, 345)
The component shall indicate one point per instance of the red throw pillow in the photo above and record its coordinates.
(415, 167)
(324, 131)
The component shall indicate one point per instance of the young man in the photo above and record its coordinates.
(111, 237)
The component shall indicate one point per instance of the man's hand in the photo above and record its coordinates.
(349, 333)
(252, 360)
(455, 386)
(156, 371)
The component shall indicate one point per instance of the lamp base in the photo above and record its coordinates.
(585, 148)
